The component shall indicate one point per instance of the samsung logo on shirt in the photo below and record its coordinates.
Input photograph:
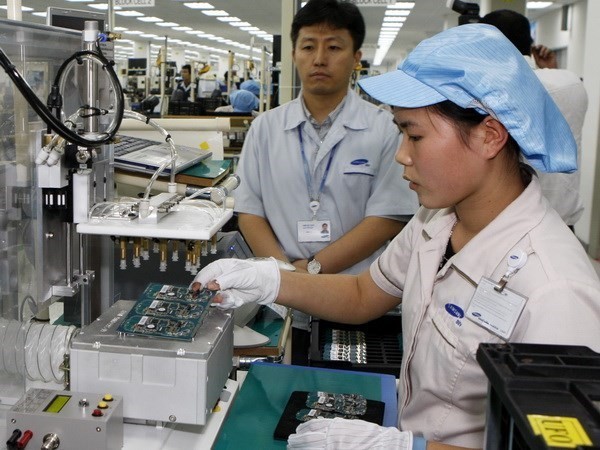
(454, 310)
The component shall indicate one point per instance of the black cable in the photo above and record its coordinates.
(46, 115)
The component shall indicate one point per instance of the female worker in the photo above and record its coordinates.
(485, 259)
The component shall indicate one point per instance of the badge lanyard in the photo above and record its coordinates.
(314, 203)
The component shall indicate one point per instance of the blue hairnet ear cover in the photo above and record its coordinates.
(476, 66)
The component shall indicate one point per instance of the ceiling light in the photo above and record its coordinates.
(249, 28)
(150, 19)
(402, 5)
(103, 6)
(397, 12)
(199, 5)
(23, 8)
(182, 28)
(40, 14)
(394, 19)
(133, 32)
(240, 24)
(128, 13)
(229, 19)
(215, 12)
(120, 29)
(167, 24)
(148, 35)
(538, 5)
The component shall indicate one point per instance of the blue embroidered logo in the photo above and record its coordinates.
(360, 162)
(454, 310)
(476, 314)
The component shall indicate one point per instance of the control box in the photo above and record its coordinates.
(162, 380)
(67, 420)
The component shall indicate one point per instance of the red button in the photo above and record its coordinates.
(97, 413)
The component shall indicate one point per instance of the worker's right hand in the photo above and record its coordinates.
(240, 281)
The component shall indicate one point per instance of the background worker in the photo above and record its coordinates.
(567, 90)
(182, 92)
(324, 158)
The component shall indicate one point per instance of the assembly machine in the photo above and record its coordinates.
(64, 233)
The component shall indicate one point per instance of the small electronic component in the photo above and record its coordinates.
(166, 308)
(157, 291)
(345, 404)
(345, 345)
(167, 311)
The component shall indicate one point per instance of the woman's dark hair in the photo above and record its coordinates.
(338, 15)
(465, 119)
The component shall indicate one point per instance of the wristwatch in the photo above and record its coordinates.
(313, 266)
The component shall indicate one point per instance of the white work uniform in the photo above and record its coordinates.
(442, 387)
(273, 183)
(569, 94)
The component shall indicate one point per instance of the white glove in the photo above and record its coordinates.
(348, 435)
(242, 281)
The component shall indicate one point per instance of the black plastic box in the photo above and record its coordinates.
(383, 339)
(561, 383)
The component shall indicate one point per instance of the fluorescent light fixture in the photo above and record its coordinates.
(128, 13)
(150, 19)
(40, 14)
(182, 28)
(397, 12)
(402, 5)
(148, 35)
(207, 35)
(133, 32)
(394, 19)
(240, 24)
(23, 8)
(167, 24)
(103, 6)
(538, 5)
(199, 5)
(249, 28)
(214, 12)
(229, 19)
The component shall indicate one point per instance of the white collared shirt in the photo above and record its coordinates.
(443, 390)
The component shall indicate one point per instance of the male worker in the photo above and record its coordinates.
(325, 158)
(184, 88)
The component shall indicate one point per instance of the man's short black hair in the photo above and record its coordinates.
(338, 15)
(188, 67)
(514, 26)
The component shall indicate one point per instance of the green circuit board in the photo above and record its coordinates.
(157, 291)
(167, 311)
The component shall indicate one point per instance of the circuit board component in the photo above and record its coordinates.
(167, 311)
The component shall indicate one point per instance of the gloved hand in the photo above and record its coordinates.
(241, 281)
(348, 434)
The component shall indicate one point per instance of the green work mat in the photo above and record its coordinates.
(267, 388)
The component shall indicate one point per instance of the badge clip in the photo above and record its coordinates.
(515, 261)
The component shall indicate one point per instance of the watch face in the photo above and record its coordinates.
(314, 266)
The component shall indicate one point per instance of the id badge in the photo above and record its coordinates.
(497, 312)
(314, 231)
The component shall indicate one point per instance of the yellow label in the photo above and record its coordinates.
(204, 145)
(565, 432)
